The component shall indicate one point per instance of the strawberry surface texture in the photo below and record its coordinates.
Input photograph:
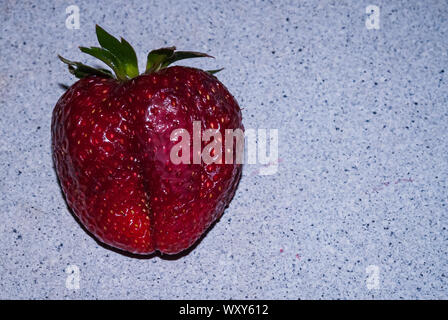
(111, 143)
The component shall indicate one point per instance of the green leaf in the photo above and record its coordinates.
(122, 50)
(107, 41)
(162, 58)
(108, 58)
(81, 70)
(181, 55)
(157, 57)
(214, 71)
(106, 71)
(122, 59)
(131, 62)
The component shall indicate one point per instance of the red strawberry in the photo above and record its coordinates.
(111, 148)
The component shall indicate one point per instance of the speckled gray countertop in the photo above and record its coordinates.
(358, 206)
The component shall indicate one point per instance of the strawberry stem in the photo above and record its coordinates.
(122, 59)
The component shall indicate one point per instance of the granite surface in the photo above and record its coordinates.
(358, 206)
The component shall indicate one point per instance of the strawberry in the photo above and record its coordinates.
(111, 142)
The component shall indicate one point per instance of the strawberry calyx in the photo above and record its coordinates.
(163, 57)
(122, 59)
